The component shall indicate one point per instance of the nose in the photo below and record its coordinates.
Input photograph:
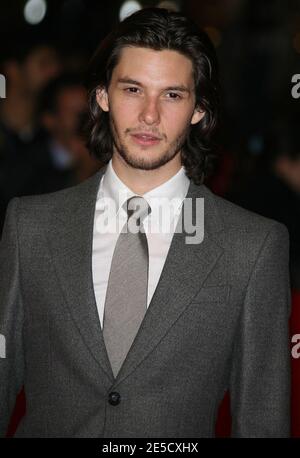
(149, 113)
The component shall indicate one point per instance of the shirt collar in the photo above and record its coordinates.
(174, 189)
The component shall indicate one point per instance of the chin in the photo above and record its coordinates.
(140, 159)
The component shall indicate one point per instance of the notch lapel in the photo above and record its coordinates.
(70, 241)
(183, 275)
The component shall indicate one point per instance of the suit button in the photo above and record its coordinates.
(114, 398)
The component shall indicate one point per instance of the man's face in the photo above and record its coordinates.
(41, 65)
(151, 102)
(71, 104)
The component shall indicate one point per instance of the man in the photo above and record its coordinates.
(28, 70)
(63, 104)
(135, 332)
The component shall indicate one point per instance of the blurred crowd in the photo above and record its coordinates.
(41, 144)
(42, 148)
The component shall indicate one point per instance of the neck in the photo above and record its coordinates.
(142, 181)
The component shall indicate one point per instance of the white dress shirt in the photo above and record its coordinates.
(165, 202)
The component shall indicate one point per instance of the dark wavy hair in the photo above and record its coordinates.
(159, 29)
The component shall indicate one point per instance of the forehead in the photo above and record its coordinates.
(167, 67)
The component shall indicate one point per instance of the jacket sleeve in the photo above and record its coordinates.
(260, 373)
(11, 318)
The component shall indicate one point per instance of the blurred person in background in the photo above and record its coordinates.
(274, 190)
(27, 72)
(62, 109)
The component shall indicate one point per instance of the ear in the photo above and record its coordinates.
(197, 115)
(102, 98)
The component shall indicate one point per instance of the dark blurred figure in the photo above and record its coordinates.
(27, 73)
(274, 190)
(62, 110)
(58, 157)
(21, 139)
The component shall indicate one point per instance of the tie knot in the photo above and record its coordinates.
(138, 208)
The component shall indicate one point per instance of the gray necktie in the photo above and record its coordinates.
(126, 296)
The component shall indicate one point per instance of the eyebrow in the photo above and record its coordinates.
(179, 88)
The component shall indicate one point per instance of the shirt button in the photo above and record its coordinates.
(114, 398)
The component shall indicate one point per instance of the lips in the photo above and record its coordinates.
(145, 139)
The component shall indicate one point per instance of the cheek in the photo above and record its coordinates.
(175, 120)
(124, 113)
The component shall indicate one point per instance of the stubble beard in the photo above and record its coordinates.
(147, 164)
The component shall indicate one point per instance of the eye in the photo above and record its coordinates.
(132, 90)
(173, 96)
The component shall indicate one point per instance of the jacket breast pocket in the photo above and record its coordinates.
(218, 293)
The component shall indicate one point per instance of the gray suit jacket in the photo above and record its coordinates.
(218, 320)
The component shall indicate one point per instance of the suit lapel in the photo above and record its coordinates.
(70, 240)
(183, 275)
(184, 272)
